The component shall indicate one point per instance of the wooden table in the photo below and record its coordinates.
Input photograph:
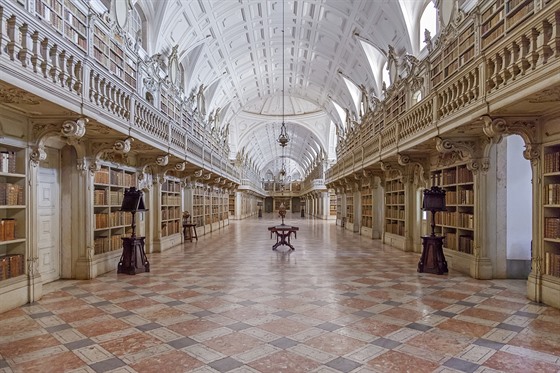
(283, 233)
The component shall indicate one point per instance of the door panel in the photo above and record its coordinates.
(48, 219)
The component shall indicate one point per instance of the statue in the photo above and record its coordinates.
(364, 107)
(200, 100)
(217, 116)
(428, 40)
(348, 119)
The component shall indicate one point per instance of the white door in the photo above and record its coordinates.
(48, 232)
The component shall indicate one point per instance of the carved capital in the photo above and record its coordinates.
(474, 151)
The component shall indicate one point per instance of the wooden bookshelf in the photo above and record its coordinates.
(492, 25)
(50, 11)
(75, 24)
(397, 105)
(456, 224)
(466, 45)
(231, 199)
(436, 71)
(350, 208)
(551, 210)
(517, 11)
(197, 213)
(13, 216)
(110, 224)
(367, 207)
(394, 207)
(339, 206)
(170, 207)
(333, 198)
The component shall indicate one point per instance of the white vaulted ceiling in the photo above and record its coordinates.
(234, 47)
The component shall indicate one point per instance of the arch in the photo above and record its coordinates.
(428, 21)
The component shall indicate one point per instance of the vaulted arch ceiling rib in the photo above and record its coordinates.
(235, 48)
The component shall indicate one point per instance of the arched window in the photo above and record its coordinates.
(416, 97)
(385, 75)
(428, 21)
(136, 23)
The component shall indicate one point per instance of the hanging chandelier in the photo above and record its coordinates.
(283, 138)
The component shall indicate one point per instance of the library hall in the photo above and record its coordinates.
(265, 186)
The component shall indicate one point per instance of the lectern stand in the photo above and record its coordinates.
(432, 259)
(133, 258)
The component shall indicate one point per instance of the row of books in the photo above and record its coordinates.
(552, 264)
(520, 14)
(552, 194)
(395, 213)
(8, 162)
(7, 229)
(11, 194)
(114, 177)
(394, 199)
(552, 162)
(461, 197)
(115, 197)
(395, 228)
(394, 186)
(113, 219)
(104, 244)
(552, 228)
(170, 213)
(171, 186)
(170, 200)
(11, 266)
(169, 228)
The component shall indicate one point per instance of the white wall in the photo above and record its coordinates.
(519, 196)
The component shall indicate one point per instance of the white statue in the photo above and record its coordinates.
(201, 101)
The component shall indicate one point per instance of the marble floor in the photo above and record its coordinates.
(228, 303)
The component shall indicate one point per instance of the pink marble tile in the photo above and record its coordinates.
(243, 313)
(24, 346)
(183, 294)
(284, 361)
(104, 327)
(233, 343)
(169, 362)
(398, 362)
(137, 303)
(441, 342)
(465, 328)
(63, 362)
(192, 327)
(374, 327)
(284, 327)
(404, 314)
(81, 314)
(485, 314)
(510, 363)
(335, 344)
(130, 344)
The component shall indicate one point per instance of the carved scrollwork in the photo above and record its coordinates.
(123, 146)
(162, 160)
(180, 166)
(198, 173)
(497, 128)
(472, 150)
(74, 129)
(37, 155)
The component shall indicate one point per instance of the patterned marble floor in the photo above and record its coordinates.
(228, 303)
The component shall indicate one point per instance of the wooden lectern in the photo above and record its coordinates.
(432, 259)
(133, 258)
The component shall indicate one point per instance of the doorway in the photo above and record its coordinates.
(48, 216)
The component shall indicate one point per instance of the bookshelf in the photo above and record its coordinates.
(225, 207)
(367, 208)
(466, 45)
(394, 207)
(197, 213)
(551, 210)
(456, 224)
(110, 224)
(436, 71)
(50, 11)
(170, 207)
(231, 199)
(215, 209)
(333, 202)
(66, 17)
(13, 221)
(350, 208)
(338, 207)
(101, 46)
(75, 24)
(397, 105)
(517, 11)
(492, 25)
(207, 214)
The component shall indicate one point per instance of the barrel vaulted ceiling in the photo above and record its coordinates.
(236, 48)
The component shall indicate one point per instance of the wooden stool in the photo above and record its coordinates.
(189, 232)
